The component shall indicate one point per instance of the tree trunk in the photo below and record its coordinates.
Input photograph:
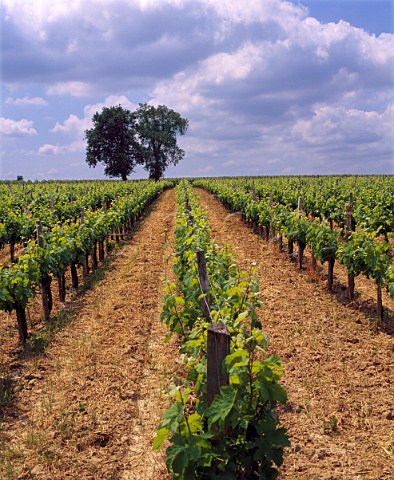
(107, 244)
(313, 262)
(350, 281)
(101, 250)
(22, 323)
(85, 266)
(379, 306)
(74, 276)
(291, 247)
(280, 242)
(330, 277)
(12, 252)
(94, 257)
(301, 248)
(46, 294)
(61, 282)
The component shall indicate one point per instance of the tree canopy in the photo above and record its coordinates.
(157, 129)
(112, 141)
(121, 139)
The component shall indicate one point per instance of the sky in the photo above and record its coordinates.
(270, 87)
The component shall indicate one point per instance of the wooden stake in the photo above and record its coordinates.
(218, 348)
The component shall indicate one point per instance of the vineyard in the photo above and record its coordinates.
(292, 277)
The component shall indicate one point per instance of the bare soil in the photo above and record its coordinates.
(338, 372)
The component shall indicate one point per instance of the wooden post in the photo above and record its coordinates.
(217, 350)
(204, 284)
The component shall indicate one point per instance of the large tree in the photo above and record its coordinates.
(157, 130)
(113, 141)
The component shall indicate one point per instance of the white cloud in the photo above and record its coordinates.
(16, 128)
(74, 89)
(261, 84)
(50, 149)
(339, 126)
(36, 101)
(74, 124)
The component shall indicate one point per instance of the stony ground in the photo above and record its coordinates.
(87, 407)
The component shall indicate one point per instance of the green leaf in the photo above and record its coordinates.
(221, 406)
(161, 435)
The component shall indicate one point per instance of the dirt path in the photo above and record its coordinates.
(339, 375)
(89, 407)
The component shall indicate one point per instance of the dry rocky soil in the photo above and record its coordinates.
(86, 405)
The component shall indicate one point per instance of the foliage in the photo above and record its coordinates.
(323, 198)
(157, 129)
(121, 139)
(112, 141)
(65, 239)
(237, 436)
(362, 254)
(322, 240)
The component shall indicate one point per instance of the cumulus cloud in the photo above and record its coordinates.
(74, 89)
(265, 84)
(50, 149)
(16, 128)
(25, 101)
(74, 124)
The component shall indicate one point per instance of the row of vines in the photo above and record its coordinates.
(354, 228)
(222, 422)
(61, 228)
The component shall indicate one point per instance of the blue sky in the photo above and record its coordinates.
(270, 87)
